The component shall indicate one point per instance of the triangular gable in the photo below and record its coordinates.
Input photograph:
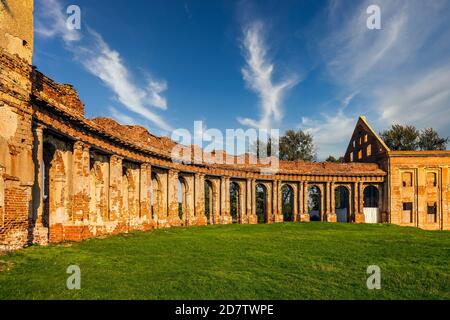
(365, 144)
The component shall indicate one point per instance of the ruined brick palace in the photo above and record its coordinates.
(64, 177)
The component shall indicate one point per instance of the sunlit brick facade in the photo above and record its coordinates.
(64, 177)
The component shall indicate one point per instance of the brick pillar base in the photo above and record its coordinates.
(198, 221)
(359, 218)
(331, 217)
(304, 217)
(175, 221)
(253, 219)
(40, 235)
(278, 218)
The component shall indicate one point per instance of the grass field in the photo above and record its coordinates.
(280, 261)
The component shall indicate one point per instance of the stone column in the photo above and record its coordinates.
(326, 196)
(280, 202)
(216, 195)
(145, 196)
(323, 192)
(359, 216)
(2, 196)
(278, 209)
(38, 188)
(269, 202)
(80, 178)
(295, 202)
(172, 198)
(305, 212)
(381, 207)
(274, 206)
(253, 219)
(248, 198)
(227, 202)
(300, 200)
(132, 194)
(445, 192)
(115, 188)
(188, 195)
(243, 203)
(226, 213)
(331, 216)
(199, 189)
(225, 217)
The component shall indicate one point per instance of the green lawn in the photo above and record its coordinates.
(280, 261)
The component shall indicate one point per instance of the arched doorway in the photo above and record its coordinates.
(47, 182)
(371, 201)
(261, 203)
(156, 197)
(314, 203)
(342, 204)
(235, 205)
(287, 198)
(183, 189)
(55, 188)
(209, 202)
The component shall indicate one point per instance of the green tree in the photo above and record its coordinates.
(333, 159)
(297, 145)
(430, 140)
(260, 148)
(400, 137)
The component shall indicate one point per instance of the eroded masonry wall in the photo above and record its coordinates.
(420, 191)
(16, 137)
(16, 28)
(67, 178)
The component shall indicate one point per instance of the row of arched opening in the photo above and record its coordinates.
(342, 201)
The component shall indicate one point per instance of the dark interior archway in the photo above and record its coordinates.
(49, 152)
(235, 206)
(314, 203)
(287, 198)
(261, 203)
(209, 202)
(371, 196)
(342, 204)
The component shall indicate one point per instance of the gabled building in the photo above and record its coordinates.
(417, 185)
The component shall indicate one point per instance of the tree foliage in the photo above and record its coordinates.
(430, 140)
(297, 145)
(334, 160)
(400, 137)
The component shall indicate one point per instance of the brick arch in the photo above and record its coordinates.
(371, 194)
(315, 202)
(342, 202)
(264, 203)
(214, 202)
(288, 201)
(156, 196)
(184, 193)
(237, 214)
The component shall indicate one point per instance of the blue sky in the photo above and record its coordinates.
(312, 65)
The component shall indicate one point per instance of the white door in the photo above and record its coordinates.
(371, 215)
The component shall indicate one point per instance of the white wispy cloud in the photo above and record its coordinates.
(329, 132)
(121, 117)
(401, 71)
(106, 64)
(155, 89)
(52, 22)
(258, 74)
